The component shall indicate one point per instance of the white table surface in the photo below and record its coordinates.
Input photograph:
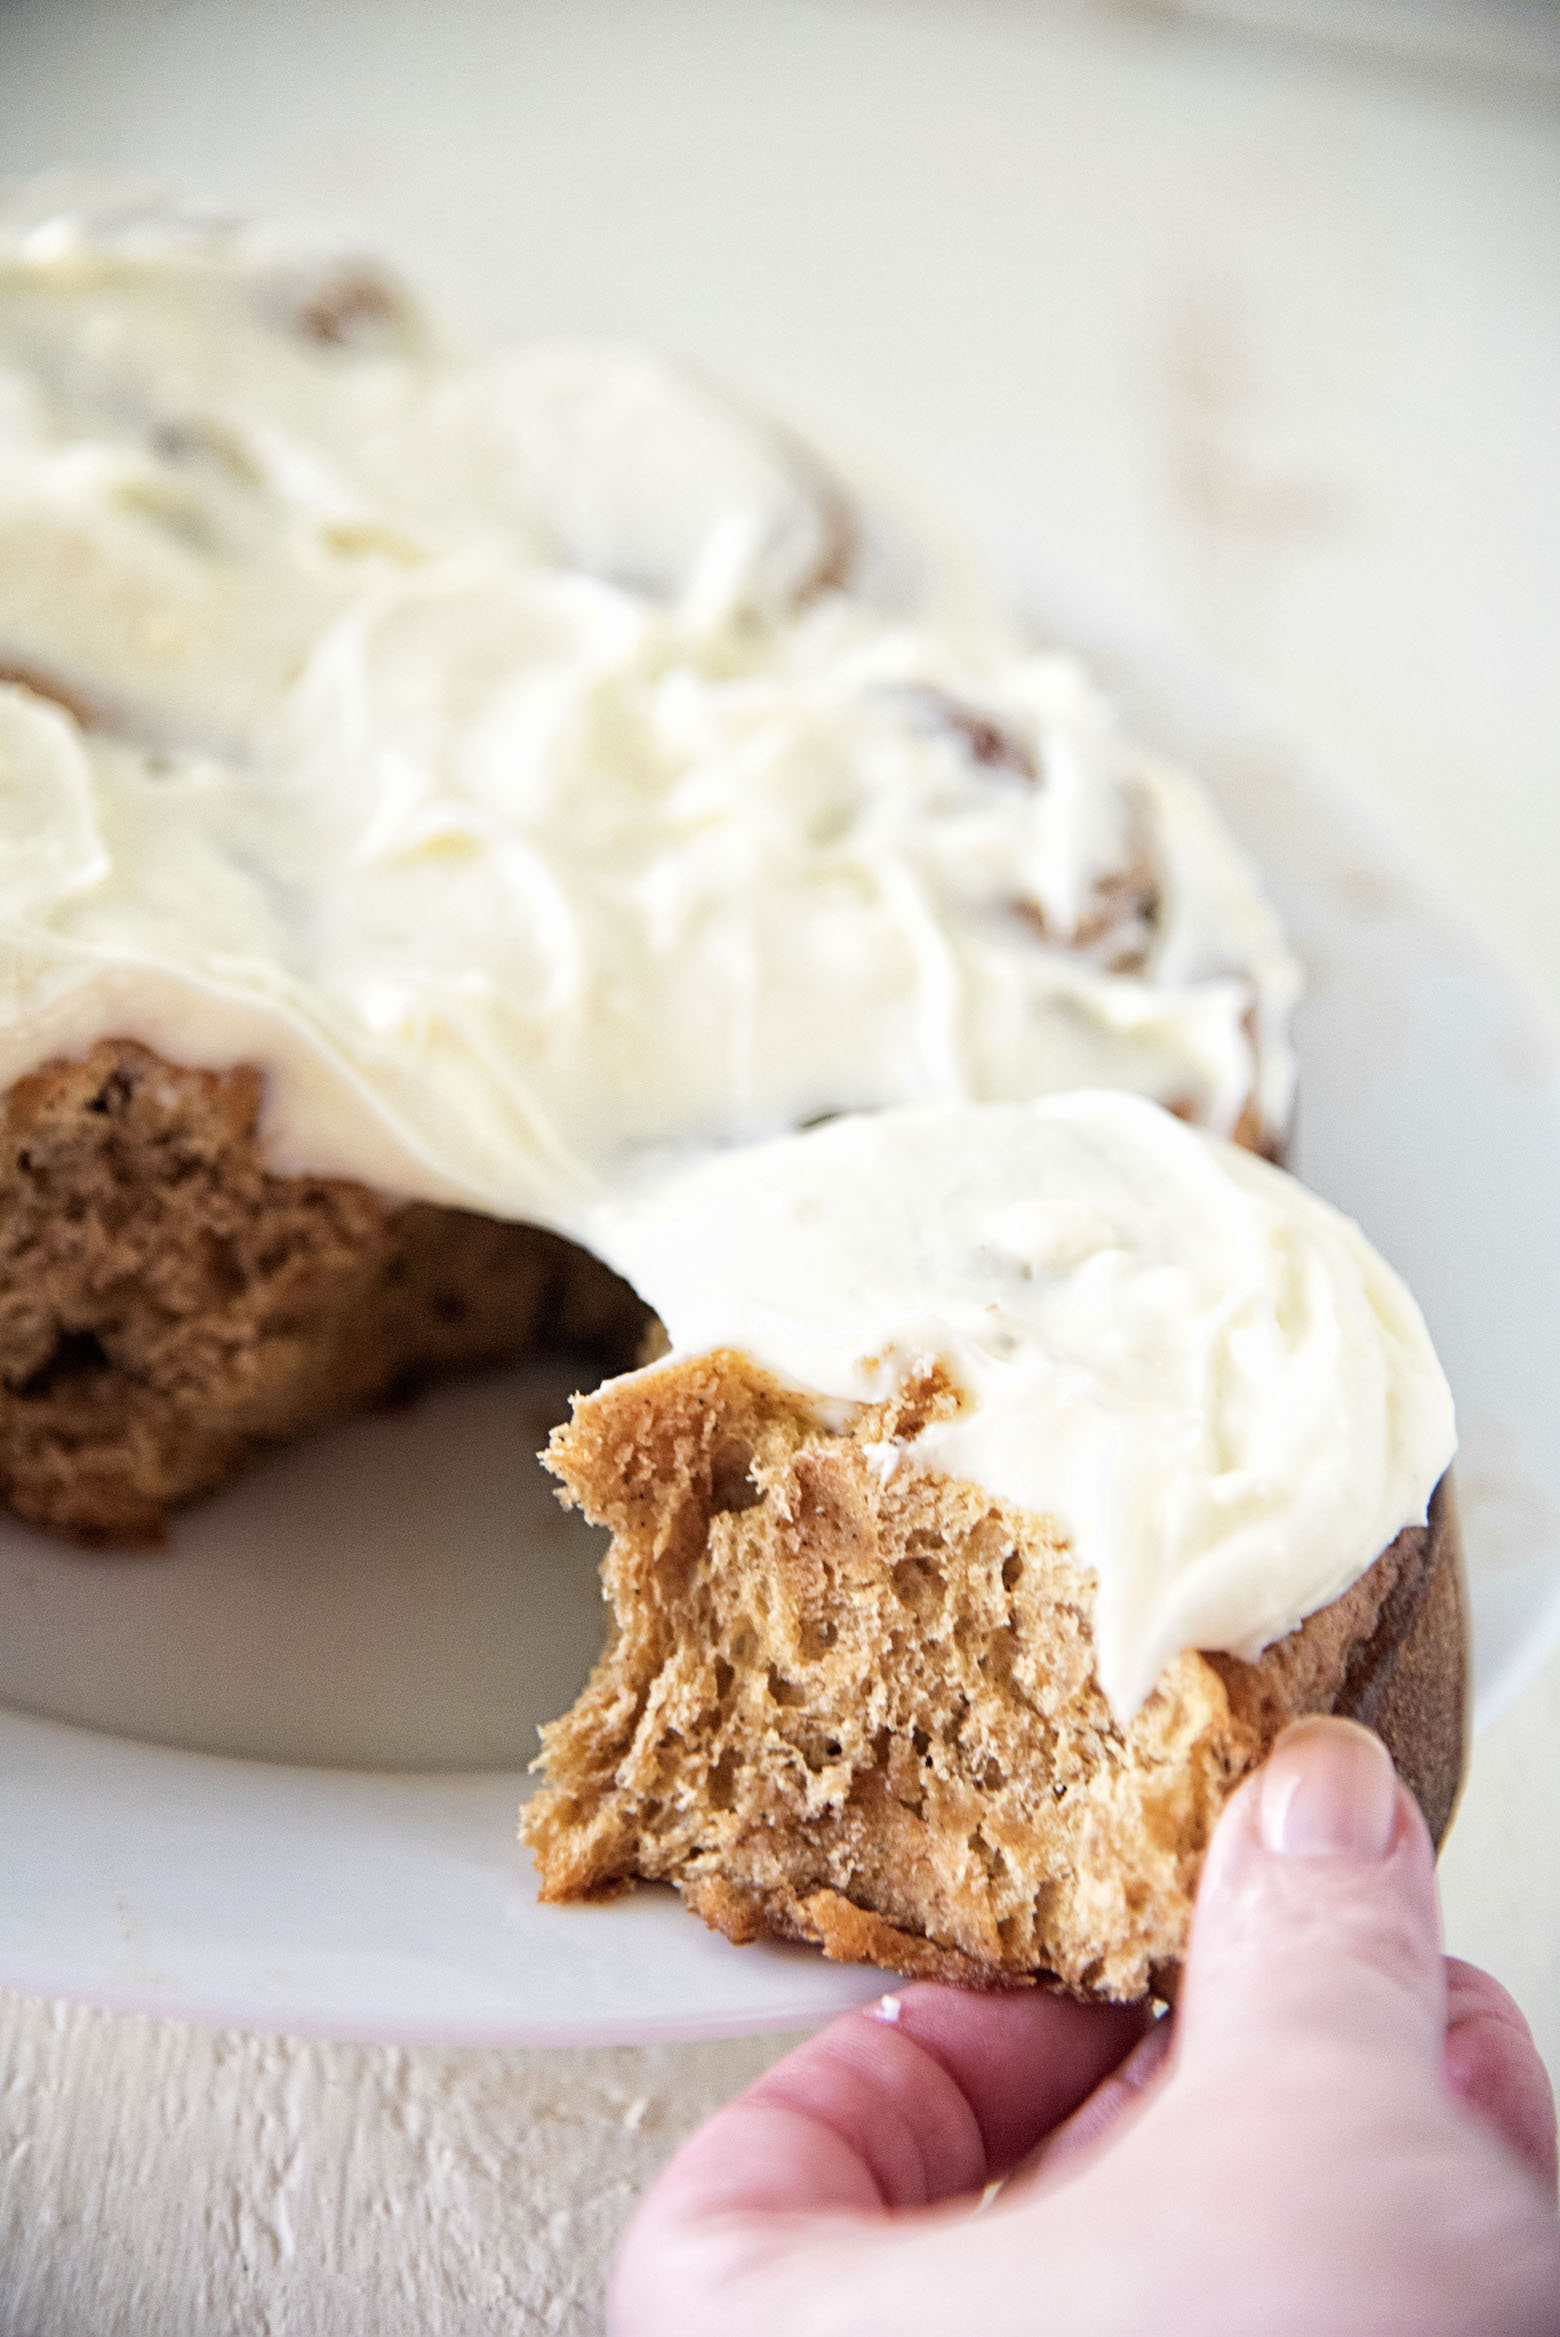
(1260, 342)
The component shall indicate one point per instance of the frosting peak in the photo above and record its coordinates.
(506, 754)
(1202, 1373)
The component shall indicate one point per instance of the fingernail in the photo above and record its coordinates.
(1329, 1791)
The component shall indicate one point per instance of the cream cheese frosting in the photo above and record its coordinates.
(1203, 1374)
(504, 753)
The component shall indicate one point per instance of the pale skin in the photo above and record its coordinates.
(1340, 2133)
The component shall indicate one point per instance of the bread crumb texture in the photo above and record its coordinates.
(169, 1308)
(849, 1701)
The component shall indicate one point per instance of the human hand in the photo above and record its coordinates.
(1337, 2135)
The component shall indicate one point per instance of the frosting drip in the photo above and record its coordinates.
(1203, 1374)
(487, 747)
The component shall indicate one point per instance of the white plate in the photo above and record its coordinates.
(377, 1621)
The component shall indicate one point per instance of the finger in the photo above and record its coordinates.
(1315, 1944)
(918, 2098)
(1023, 2062)
(1494, 2069)
(1104, 2116)
(922, 2096)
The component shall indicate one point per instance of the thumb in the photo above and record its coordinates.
(1316, 1936)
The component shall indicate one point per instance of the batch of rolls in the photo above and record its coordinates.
(507, 840)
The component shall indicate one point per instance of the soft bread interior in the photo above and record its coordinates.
(854, 1702)
(169, 1308)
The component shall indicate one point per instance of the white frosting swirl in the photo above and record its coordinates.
(1205, 1375)
(476, 743)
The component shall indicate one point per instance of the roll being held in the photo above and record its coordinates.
(1016, 1474)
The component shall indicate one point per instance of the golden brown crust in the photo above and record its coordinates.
(1410, 1682)
(168, 1308)
(863, 1713)
(847, 1934)
(1391, 1652)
